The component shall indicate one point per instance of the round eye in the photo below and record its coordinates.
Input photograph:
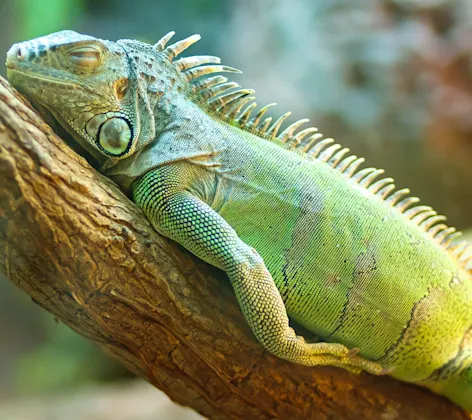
(85, 57)
(115, 136)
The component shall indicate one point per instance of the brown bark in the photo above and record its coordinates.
(84, 252)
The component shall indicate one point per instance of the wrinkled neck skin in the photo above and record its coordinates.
(171, 126)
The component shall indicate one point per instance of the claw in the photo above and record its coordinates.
(353, 352)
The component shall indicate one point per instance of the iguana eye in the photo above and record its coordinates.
(88, 57)
(115, 136)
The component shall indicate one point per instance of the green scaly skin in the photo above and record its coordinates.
(296, 226)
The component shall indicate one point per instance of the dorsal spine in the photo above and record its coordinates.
(233, 104)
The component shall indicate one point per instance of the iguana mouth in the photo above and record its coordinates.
(12, 70)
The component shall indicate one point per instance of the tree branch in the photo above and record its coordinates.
(72, 241)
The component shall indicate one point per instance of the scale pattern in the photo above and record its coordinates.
(301, 230)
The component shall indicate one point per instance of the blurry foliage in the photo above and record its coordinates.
(40, 17)
(63, 360)
(392, 79)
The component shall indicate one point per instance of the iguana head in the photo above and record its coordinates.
(84, 82)
(103, 93)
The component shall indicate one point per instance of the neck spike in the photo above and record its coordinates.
(174, 50)
(160, 45)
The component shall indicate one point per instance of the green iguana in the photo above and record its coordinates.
(287, 214)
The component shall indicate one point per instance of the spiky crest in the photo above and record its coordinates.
(226, 100)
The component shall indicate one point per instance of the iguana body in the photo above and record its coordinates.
(298, 228)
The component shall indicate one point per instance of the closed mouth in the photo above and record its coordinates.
(34, 76)
(49, 80)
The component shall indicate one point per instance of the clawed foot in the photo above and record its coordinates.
(336, 354)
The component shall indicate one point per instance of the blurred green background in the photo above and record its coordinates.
(392, 80)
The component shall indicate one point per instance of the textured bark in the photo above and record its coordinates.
(72, 241)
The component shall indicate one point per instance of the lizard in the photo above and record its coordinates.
(302, 232)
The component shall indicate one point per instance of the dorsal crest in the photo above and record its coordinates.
(229, 102)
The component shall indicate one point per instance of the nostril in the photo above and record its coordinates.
(15, 55)
(20, 55)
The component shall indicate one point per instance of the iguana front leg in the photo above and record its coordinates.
(181, 216)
